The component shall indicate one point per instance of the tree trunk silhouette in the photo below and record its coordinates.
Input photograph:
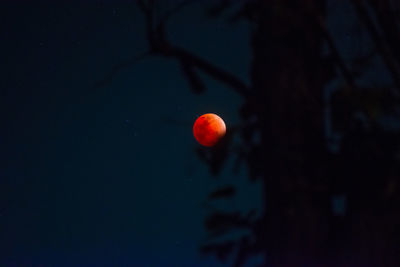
(287, 93)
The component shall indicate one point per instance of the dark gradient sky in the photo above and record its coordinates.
(109, 176)
(102, 177)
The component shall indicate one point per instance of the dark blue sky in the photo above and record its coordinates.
(96, 177)
(103, 176)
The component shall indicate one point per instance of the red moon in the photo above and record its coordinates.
(208, 129)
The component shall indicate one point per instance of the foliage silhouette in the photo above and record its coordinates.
(302, 177)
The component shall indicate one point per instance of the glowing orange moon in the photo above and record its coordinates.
(208, 129)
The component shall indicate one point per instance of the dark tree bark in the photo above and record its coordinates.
(287, 86)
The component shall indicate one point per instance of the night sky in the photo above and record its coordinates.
(108, 176)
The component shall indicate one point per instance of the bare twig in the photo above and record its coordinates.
(193, 78)
(339, 61)
(175, 10)
(210, 69)
(149, 17)
(384, 52)
(159, 45)
(389, 25)
(117, 68)
(335, 53)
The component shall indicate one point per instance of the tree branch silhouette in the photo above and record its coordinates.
(119, 67)
(380, 45)
(389, 25)
(159, 45)
(348, 77)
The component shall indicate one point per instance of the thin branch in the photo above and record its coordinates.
(175, 10)
(335, 53)
(149, 17)
(385, 54)
(389, 26)
(159, 45)
(210, 69)
(193, 78)
(117, 68)
(339, 61)
(243, 253)
(141, 4)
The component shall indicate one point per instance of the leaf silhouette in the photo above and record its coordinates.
(225, 221)
(223, 192)
(221, 250)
